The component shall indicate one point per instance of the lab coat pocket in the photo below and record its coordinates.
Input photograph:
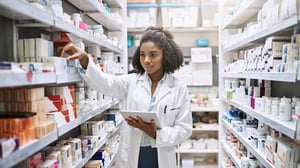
(169, 114)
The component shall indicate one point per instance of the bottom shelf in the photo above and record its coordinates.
(201, 166)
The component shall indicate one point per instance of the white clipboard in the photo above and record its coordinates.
(145, 115)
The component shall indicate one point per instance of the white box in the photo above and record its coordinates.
(41, 47)
(187, 163)
(20, 46)
(201, 55)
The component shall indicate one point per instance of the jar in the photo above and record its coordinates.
(285, 109)
(297, 108)
(268, 105)
(76, 17)
(97, 29)
(275, 107)
(244, 162)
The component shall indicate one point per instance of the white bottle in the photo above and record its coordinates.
(268, 105)
(275, 107)
(297, 108)
(285, 109)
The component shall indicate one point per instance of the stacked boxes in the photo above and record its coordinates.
(21, 101)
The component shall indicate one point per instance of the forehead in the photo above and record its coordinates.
(149, 46)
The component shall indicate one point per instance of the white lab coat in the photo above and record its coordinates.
(136, 91)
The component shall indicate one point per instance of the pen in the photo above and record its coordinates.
(165, 109)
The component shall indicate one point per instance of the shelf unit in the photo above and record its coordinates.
(249, 10)
(21, 14)
(37, 145)
(211, 130)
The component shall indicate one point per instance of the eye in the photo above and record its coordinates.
(153, 55)
(142, 54)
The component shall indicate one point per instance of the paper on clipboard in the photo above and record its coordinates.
(145, 115)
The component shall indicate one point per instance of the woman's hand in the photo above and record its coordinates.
(149, 128)
(75, 53)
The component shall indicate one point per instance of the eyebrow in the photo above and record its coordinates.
(153, 51)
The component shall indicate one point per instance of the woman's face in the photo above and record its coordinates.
(151, 58)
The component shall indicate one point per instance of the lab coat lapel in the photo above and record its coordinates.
(165, 88)
(144, 83)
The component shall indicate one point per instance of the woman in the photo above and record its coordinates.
(151, 88)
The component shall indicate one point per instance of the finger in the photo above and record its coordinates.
(74, 56)
(68, 47)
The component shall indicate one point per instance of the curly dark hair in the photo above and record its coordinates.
(172, 55)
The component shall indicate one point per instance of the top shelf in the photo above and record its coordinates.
(97, 12)
(244, 13)
(178, 30)
(279, 28)
(172, 5)
(276, 76)
(22, 10)
(114, 3)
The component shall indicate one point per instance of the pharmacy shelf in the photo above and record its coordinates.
(216, 128)
(142, 5)
(96, 11)
(261, 35)
(248, 145)
(286, 127)
(198, 151)
(227, 3)
(68, 78)
(105, 19)
(247, 10)
(89, 39)
(63, 26)
(178, 30)
(231, 154)
(110, 47)
(89, 156)
(114, 157)
(195, 108)
(172, 5)
(186, 51)
(28, 150)
(78, 121)
(273, 76)
(23, 10)
(188, 4)
(12, 80)
(102, 143)
(114, 3)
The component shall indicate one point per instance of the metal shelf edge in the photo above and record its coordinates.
(263, 33)
(278, 125)
(248, 146)
(28, 150)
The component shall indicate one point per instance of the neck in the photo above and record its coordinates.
(156, 77)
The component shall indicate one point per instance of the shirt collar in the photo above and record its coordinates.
(160, 81)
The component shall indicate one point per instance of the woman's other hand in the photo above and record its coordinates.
(75, 53)
(149, 128)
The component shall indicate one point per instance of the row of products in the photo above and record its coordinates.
(278, 54)
(276, 149)
(257, 95)
(271, 12)
(42, 55)
(200, 144)
(69, 153)
(239, 151)
(203, 99)
(32, 113)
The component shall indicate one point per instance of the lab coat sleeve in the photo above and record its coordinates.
(110, 85)
(182, 128)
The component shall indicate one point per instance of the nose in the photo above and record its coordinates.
(147, 59)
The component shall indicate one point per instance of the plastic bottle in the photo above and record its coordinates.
(285, 109)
